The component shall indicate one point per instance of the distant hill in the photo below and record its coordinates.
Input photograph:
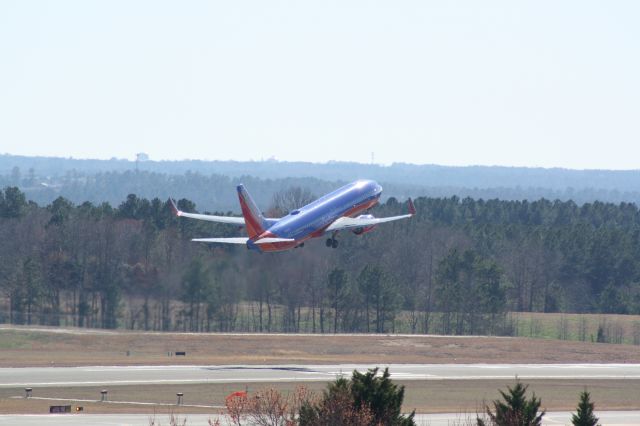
(211, 183)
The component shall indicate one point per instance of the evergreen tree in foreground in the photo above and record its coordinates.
(516, 410)
(335, 408)
(365, 400)
(584, 415)
(382, 396)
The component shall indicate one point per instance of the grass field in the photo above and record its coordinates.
(423, 396)
(579, 327)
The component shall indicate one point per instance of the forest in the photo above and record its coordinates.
(458, 267)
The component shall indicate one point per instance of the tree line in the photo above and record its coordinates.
(457, 267)
(212, 184)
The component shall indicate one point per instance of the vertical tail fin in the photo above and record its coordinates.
(254, 221)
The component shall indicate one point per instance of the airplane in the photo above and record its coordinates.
(329, 214)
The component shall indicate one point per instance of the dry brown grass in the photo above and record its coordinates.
(423, 396)
(47, 347)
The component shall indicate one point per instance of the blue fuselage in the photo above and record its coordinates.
(311, 220)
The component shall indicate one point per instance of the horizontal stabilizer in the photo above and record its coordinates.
(239, 240)
(242, 240)
(273, 240)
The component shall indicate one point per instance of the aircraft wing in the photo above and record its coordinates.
(211, 218)
(355, 222)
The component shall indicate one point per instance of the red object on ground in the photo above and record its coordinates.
(239, 394)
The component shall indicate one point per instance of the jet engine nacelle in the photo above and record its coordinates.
(364, 229)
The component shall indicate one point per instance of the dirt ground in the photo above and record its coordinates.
(21, 347)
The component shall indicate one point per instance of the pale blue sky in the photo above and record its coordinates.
(537, 83)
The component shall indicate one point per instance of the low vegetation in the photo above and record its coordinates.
(371, 399)
(364, 399)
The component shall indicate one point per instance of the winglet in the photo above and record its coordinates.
(175, 209)
(412, 208)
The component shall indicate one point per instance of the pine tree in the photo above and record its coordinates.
(516, 410)
(584, 415)
(382, 396)
(365, 400)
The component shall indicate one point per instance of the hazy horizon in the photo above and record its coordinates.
(268, 160)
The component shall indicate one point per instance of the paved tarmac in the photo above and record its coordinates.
(129, 375)
(607, 418)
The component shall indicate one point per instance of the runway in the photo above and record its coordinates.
(609, 418)
(131, 375)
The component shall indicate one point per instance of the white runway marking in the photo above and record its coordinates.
(609, 418)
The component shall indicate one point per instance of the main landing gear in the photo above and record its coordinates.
(332, 242)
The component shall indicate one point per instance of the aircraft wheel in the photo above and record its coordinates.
(334, 243)
(329, 242)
